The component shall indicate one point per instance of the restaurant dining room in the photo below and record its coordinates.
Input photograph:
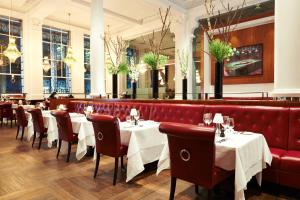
(149, 100)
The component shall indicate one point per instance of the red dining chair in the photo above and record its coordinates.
(65, 131)
(6, 111)
(22, 121)
(38, 125)
(108, 142)
(192, 156)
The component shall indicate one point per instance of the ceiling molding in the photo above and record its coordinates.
(112, 13)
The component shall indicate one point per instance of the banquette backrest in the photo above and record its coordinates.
(279, 125)
(179, 113)
(294, 134)
(121, 110)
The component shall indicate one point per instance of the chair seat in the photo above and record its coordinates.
(277, 154)
(291, 162)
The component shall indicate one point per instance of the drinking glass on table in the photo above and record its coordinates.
(137, 116)
(231, 124)
(225, 123)
(207, 118)
(128, 119)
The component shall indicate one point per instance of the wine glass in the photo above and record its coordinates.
(207, 118)
(225, 123)
(128, 119)
(137, 116)
(231, 124)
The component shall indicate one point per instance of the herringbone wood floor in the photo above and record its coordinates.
(27, 173)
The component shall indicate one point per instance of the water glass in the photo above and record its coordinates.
(231, 124)
(225, 123)
(207, 118)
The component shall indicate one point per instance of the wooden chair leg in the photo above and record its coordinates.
(69, 151)
(11, 121)
(196, 189)
(18, 132)
(58, 150)
(41, 138)
(209, 194)
(116, 170)
(173, 188)
(34, 136)
(1, 122)
(122, 164)
(23, 129)
(97, 165)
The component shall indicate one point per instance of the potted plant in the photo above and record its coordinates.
(154, 58)
(134, 73)
(155, 62)
(218, 29)
(183, 60)
(116, 49)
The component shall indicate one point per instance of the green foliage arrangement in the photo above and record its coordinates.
(220, 50)
(155, 61)
(122, 68)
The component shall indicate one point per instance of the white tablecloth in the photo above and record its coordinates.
(50, 123)
(145, 144)
(26, 107)
(247, 153)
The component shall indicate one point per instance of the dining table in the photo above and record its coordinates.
(246, 153)
(145, 143)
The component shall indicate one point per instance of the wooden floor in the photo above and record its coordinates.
(27, 173)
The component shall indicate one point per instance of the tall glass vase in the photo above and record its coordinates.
(154, 84)
(134, 89)
(219, 71)
(115, 85)
(184, 88)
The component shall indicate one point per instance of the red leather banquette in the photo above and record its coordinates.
(279, 125)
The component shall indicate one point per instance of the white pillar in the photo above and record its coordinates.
(97, 48)
(77, 70)
(287, 45)
(207, 66)
(33, 64)
(183, 29)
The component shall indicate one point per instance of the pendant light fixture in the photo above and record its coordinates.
(12, 52)
(46, 64)
(69, 59)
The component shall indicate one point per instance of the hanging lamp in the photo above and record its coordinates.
(12, 52)
(46, 64)
(69, 59)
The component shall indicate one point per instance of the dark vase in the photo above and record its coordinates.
(154, 84)
(134, 90)
(219, 70)
(184, 88)
(115, 85)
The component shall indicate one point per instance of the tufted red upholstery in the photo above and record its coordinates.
(121, 110)
(294, 134)
(65, 130)
(279, 125)
(108, 140)
(199, 146)
(77, 106)
(103, 108)
(180, 113)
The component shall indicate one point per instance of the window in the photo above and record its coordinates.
(55, 43)
(87, 66)
(11, 74)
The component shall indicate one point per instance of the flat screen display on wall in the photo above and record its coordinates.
(247, 61)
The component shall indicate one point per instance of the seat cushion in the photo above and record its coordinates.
(291, 162)
(277, 154)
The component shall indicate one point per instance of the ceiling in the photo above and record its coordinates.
(129, 12)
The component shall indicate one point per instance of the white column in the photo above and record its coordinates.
(97, 48)
(287, 45)
(77, 70)
(207, 66)
(183, 29)
(33, 55)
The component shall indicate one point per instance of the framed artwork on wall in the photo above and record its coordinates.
(247, 61)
